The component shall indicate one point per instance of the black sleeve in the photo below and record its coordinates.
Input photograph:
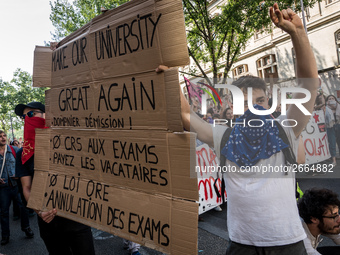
(20, 169)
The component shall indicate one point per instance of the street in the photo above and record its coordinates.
(212, 232)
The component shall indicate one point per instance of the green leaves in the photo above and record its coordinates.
(216, 30)
(18, 91)
(216, 35)
(67, 18)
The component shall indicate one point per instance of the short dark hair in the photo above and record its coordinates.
(1, 131)
(334, 98)
(211, 111)
(315, 202)
(250, 81)
(224, 114)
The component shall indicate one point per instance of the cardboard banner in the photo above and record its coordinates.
(109, 159)
(159, 222)
(144, 160)
(207, 177)
(134, 184)
(135, 37)
(143, 101)
(42, 67)
(315, 139)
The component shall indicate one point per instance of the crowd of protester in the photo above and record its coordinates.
(318, 208)
(263, 215)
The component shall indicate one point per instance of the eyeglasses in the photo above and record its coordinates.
(30, 114)
(335, 218)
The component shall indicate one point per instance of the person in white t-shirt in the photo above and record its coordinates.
(262, 212)
(319, 210)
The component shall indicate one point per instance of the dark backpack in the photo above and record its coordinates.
(290, 158)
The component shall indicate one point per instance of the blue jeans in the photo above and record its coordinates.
(331, 141)
(6, 195)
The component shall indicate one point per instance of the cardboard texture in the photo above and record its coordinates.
(153, 162)
(133, 38)
(109, 159)
(42, 66)
(168, 225)
(143, 101)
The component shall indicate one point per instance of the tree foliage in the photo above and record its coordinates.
(217, 40)
(214, 40)
(67, 18)
(18, 91)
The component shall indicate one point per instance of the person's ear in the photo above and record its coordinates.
(314, 220)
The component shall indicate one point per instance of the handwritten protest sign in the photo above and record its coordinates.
(315, 139)
(118, 103)
(154, 162)
(110, 158)
(168, 225)
(207, 178)
(133, 38)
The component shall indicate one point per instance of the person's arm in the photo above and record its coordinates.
(26, 182)
(319, 106)
(301, 154)
(191, 121)
(307, 72)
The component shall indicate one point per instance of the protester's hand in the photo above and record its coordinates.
(161, 68)
(48, 216)
(287, 20)
(2, 181)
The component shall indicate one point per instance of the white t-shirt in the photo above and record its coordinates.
(262, 209)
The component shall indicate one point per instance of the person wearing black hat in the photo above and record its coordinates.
(60, 235)
(33, 109)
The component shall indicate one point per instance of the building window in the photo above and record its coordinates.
(330, 1)
(267, 67)
(240, 71)
(337, 43)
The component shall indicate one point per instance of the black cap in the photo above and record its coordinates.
(19, 109)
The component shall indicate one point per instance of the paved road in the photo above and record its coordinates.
(212, 232)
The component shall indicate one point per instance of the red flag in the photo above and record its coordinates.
(29, 136)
